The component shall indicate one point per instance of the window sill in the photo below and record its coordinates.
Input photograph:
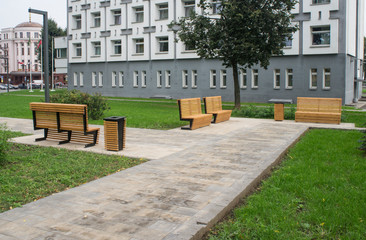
(167, 86)
(276, 88)
(115, 55)
(120, 86)
(143, 86)
(326, 89)
(161, 53)
(313, 89)
(95, 56)
(78, 57)
(317, 4)
(223, 87)
(159, 20)
(194, 87)
(288, 88)
(287, 47)
(94, 86)
(188, 51)
(114, 25)
(185, 87)
(138, 54)
(114, 86)
(255, 88)
(137, 22)
(71, 29)
(95, 27)
(135, 86)
(320, 46)
(213, 87)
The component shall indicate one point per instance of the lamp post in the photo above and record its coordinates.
(45, 49)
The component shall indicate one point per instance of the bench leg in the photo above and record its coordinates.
(45, 135)
(68, 138)
(190, 125)
(95, 136)
(215, 118)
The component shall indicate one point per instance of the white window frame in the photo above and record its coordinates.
(243, 78)
(276, 78)
(75, 79)
(121, 79)
(163, 44)
(94, 79)
(117, 45)
(117, 17)
(315, 2)
(81, 79)
(167, 78)
(213, 78)
(184, 78)
(135, 79)
(139, 14)
(78, 49)
(194, 78)
(320, 32)
(325, 74)
(313, 74)
(163, 11)
(77, 22)
(216, 6)
(100, 79)
(189, 6)
(143, 79)
(223, 78)
(255, 78)
(97, 20)
(289, 75)
(139, 45)
(97, 49)
(159, 79)
(114, 79)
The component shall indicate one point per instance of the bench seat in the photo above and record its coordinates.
(213, 105)
(190, 110)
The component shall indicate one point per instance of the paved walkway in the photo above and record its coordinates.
(193, 179)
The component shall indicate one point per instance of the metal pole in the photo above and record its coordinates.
(7, 71)
(52, 65)
(30, 79)
(45, 41)
(25, 78)
(42, 67)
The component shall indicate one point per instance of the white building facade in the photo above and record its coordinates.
(20, 44)
(125, 48)
(60, 60)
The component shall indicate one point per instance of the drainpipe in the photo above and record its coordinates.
(356, 89)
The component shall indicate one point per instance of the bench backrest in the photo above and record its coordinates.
(60, 116)
(189, 107)
(330, 105)
(213, 104)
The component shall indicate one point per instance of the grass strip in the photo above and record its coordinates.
(318, 192)
(32, 172)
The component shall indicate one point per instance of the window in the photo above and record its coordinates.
(77, 22)
(243, 78)
(167, 79)
(163, 43)
(288, 42)
(75, 79)
(114, 79)
(313, 78)
(139, 45)
(321, 35)
(216, 6)
(94, 79)
(163, 11)
(194, 78)
(81, 80)
(96, 48)
(184, 78)
(116, 14)
(117, 47)
(36, 35)
(276, 78)
(320, 1)
(139, 14)
(96, 19)
(16, 35)
(159, 79)
(135, 79)
(189, 47)
(289, 78)
(20, 35)
(223, 79)
(61, 53)
(77, 47)
(143, 79)
(213, 79)
(189, 7)
(28, 34)
(326, 78)
(255, 78)
(100, 79)
(121, 80)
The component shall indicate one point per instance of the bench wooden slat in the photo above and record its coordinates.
(319, 110)
(213, 105)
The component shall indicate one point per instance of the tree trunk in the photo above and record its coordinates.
(236, 86)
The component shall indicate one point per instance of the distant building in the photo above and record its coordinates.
(125, 48)
(60, 74)
(19, 44)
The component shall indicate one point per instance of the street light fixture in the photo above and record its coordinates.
(45, 49)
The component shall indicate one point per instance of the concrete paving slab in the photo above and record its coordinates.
(193, 179)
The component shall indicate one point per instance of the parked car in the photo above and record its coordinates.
(14, 86)
(22, 86)
(3, 87)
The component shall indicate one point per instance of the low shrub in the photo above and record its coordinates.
(96, 103)
(4, 144)
(252, 111)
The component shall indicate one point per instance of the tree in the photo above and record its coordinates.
(53, 31)
(245, 33)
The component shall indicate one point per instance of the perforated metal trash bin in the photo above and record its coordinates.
(114, 133)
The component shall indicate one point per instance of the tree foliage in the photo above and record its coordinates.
(243, 34)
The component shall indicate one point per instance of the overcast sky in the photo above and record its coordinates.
(14, 12)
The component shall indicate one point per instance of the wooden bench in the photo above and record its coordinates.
(319, 110)
(64, 123)
(213, 105)
(190, 110)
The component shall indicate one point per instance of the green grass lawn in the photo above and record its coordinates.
(143, 113)
(318, 192)
(31, 172)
